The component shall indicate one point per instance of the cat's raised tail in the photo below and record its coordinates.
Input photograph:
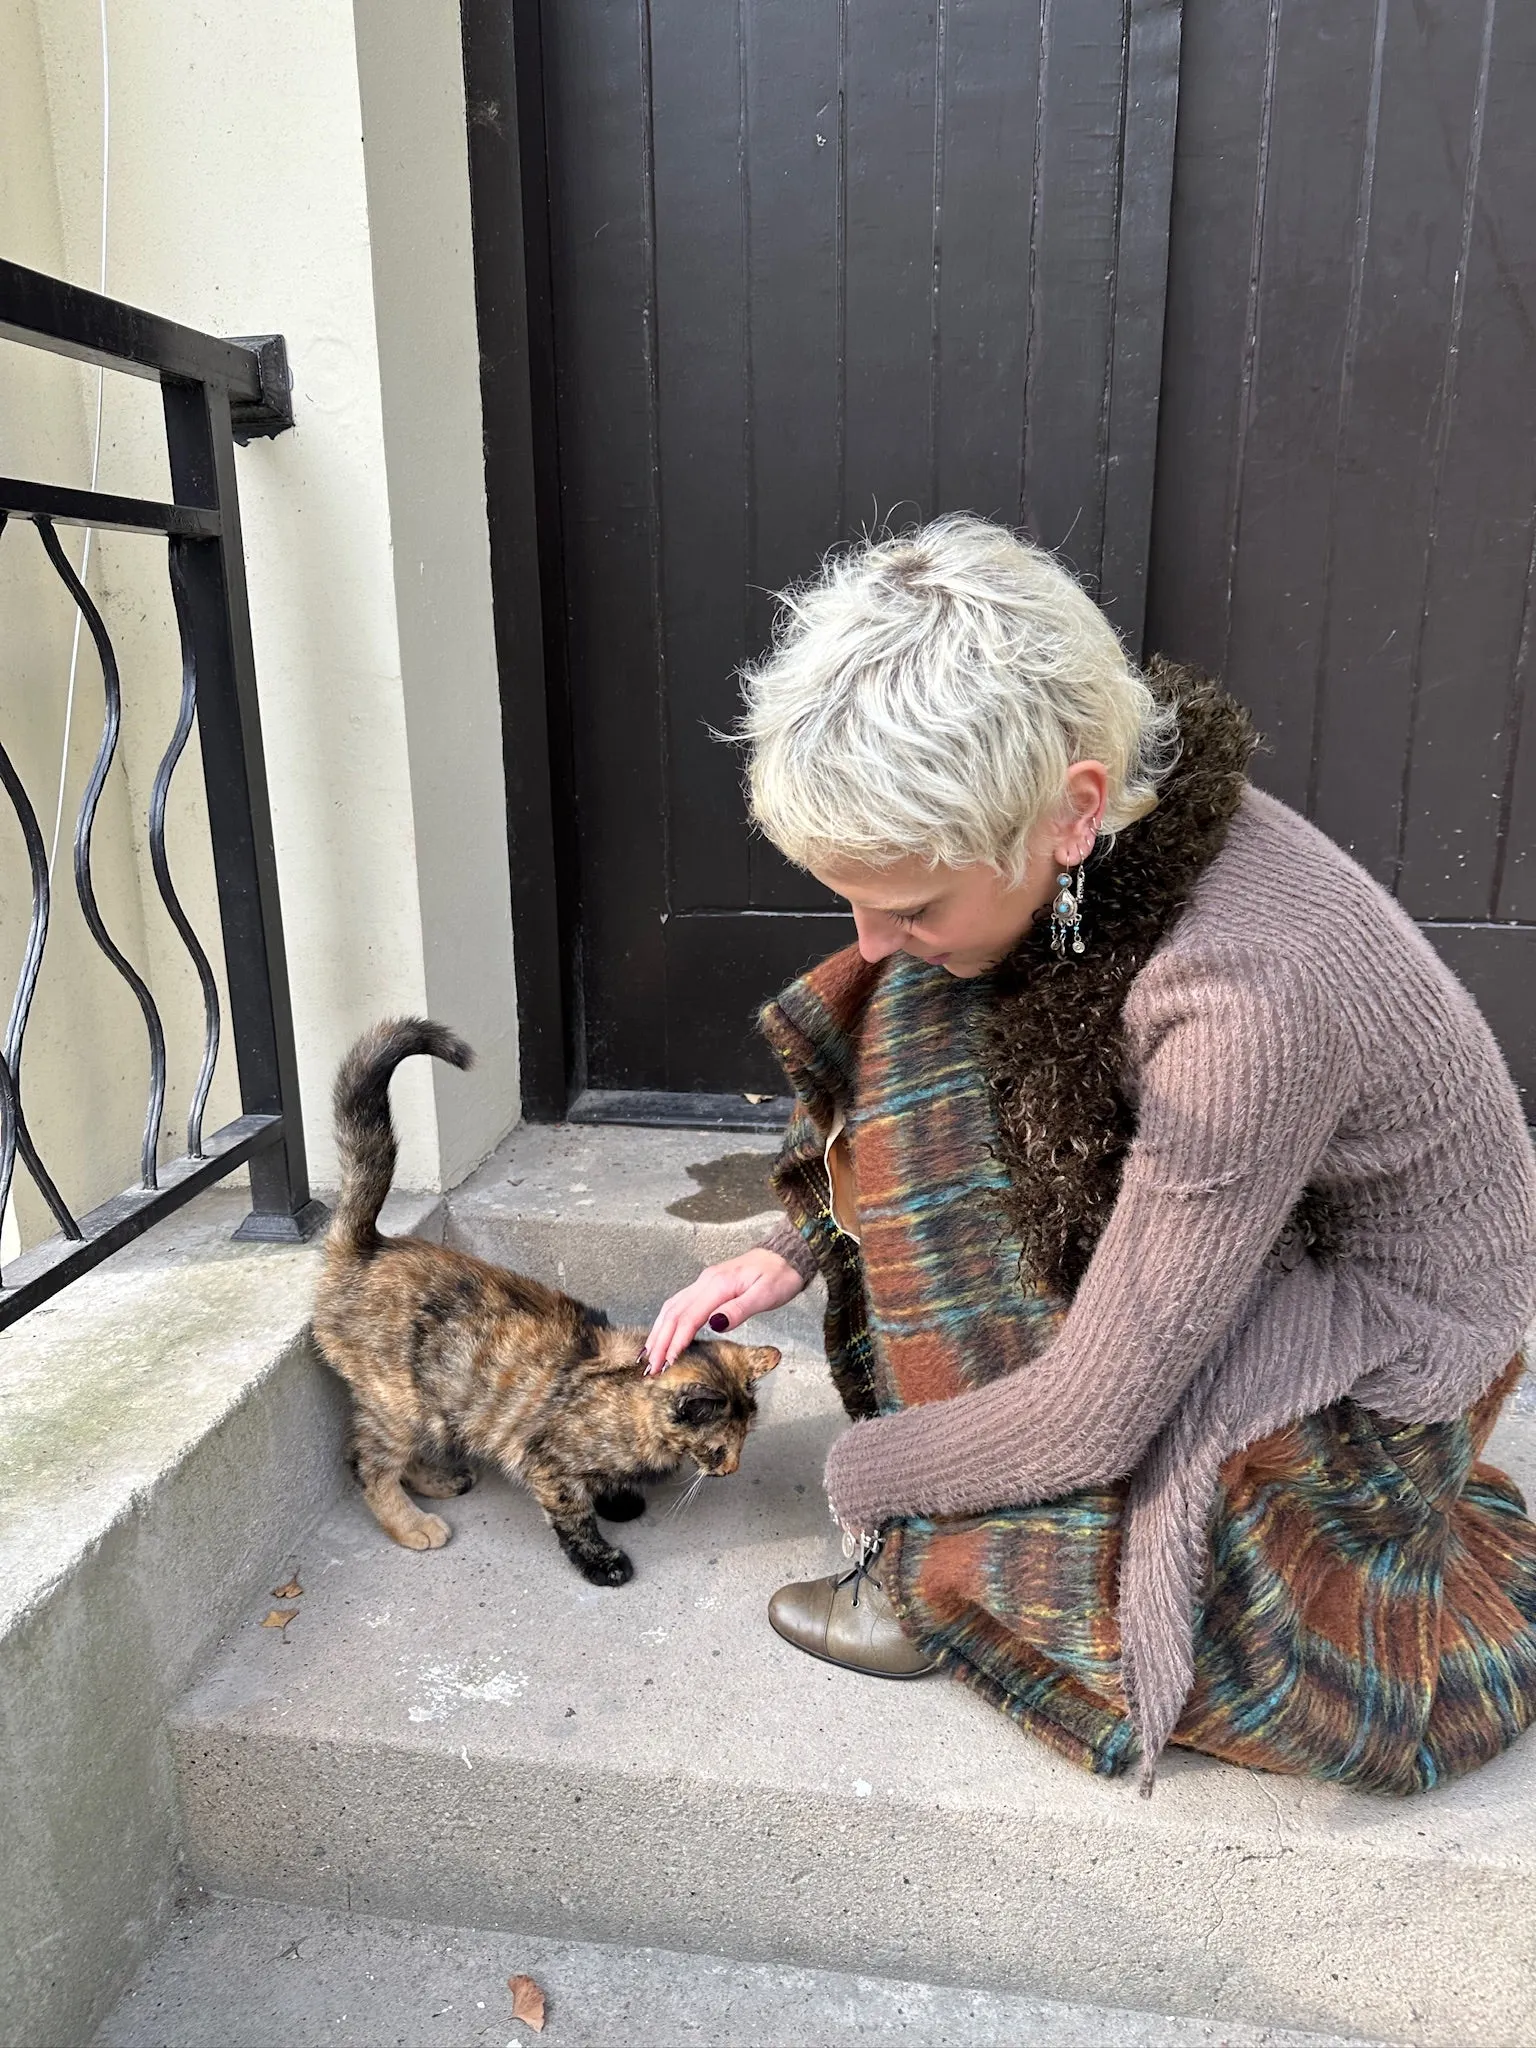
(365, 1131)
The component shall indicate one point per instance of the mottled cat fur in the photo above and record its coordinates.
(451, 1358)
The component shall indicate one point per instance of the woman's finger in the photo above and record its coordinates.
(655, 1352)
(667, 1339)
(708, 1307)
(662, 1329)
(685, 1314)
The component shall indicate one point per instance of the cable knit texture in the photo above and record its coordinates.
(1291, 1035)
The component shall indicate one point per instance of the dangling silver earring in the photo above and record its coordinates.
(1067, 915)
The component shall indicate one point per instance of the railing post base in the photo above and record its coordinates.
(298, 1228)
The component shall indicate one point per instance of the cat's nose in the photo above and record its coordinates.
(730, 1461)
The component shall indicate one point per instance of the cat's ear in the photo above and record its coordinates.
(700, 1405)
(761, 1358)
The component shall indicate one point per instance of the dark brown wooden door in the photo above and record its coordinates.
(1347, 467)
(800, 266)
(814, 265)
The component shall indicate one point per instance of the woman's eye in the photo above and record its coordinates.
(905, 918)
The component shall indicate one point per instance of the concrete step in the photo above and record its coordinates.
(619, 1217)
(475, 1737)
(248, 1974)
(165, 1432)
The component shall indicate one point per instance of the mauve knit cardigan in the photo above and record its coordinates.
(1294, 1029)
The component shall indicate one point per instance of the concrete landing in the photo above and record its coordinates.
(476, 1737)
(250, 1975)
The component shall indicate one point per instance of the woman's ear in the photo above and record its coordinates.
(1087, 794)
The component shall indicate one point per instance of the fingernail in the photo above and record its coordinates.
(644, 1358)
(718, 1322)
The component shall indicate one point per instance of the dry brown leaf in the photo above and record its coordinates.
(279, 1617)
(527, 2002)
(755, 1098)
(292, 1591)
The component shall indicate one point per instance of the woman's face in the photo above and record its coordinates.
(966, 919)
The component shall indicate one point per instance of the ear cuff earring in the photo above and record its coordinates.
(1067, 915)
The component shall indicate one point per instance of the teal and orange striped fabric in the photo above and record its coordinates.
(1369, 1618)
(1369, 1612)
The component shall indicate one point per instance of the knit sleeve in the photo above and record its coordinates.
(787, 1242)
(1242, 1064)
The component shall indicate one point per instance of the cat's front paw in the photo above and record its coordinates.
(430, 1533)
(615, 1570)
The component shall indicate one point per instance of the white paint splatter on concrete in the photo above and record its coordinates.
(447, 1687)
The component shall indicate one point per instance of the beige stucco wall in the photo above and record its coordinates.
(87, 1109)
(325, 195)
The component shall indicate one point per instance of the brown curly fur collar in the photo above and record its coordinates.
(1052, 1047)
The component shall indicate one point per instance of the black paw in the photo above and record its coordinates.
(613, 1570)
(624, 1504)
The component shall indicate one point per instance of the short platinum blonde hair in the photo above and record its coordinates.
(926, 694)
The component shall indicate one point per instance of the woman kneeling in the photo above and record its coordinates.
(1175, 1205)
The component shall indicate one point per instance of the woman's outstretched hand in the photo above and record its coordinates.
(722, 1297)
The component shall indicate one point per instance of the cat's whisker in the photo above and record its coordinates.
(683, 1498)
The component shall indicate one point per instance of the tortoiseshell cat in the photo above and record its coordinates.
(450, 1358)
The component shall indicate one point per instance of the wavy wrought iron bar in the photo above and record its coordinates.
(15, 1135)
(7, 1139)
(84, 887)
(172, 901)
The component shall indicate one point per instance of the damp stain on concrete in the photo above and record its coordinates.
(729, 1189)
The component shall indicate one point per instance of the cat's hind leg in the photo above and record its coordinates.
(437, 1482)
(383, 1446)
(567, 1505)
(618, 1503)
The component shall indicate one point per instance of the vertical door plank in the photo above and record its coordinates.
(704, 419)
(1213, 269)
(990, 114)
(794, 175)
(889, 259)
(596, 87)
(1066, 423)
(1465, 718)
(1393, 414)
(1514, 881)
(1309, 212)
(1139, 310)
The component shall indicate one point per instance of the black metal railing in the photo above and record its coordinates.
(214, 393)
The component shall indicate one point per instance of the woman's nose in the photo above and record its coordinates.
(878, 937)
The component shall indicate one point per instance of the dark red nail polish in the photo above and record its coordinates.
(719, 1322)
